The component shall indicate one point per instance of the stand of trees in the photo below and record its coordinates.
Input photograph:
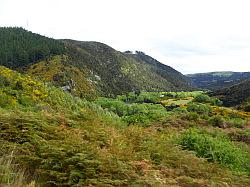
(20, 47)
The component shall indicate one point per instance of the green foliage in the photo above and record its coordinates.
(237, 122)
(192, 116)
(216, 149)
(6, 100)
(142, 97)
(199, 108)
(202, 98)
(217, 121)
(133, 113)
(216, 102)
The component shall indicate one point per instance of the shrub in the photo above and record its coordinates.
(215, 149)
(6, 100)
(180, 110)
(237, 122)
(199, 108)
(192, 116)
(15, 87)
(202, 98)
(133, 113)
(216, 102)
(114, 105)
(137, 118)
(140, 97)
(216, 120)
(171, 107)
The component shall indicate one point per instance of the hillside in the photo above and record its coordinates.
(235, 95)
(217, 80)
(86, 69)
(50, 138)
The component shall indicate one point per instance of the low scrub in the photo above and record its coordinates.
(215, 149)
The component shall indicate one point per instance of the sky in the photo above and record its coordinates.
(192, 36)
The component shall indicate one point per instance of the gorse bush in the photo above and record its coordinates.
(19, 89)
(216, 149)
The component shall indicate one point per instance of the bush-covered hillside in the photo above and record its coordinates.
(218, 80)
(51, 138)
(176, 78)
(235, 95)
(86, 69)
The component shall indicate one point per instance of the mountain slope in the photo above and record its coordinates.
(121, 71)
(235, 95)
(176, 78)
(88, 69)
(218, 80)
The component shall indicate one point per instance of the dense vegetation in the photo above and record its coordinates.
(236, 95)
(176, 78)
(50, 138)
(20, 48)
(218, 80)
(86, 69)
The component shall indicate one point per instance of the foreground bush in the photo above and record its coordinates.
(215, 149)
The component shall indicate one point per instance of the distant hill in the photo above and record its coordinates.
(218, 80)
(86, 69)
(235, 95)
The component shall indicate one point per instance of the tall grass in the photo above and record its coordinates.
(11, 174)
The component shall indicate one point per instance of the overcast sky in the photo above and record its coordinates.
(190, 35)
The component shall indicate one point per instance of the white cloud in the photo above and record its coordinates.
(191, 36)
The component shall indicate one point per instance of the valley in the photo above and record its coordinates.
(76, 113)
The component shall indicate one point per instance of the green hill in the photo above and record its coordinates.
(218, 80)
(86, 69)
(235, 95)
